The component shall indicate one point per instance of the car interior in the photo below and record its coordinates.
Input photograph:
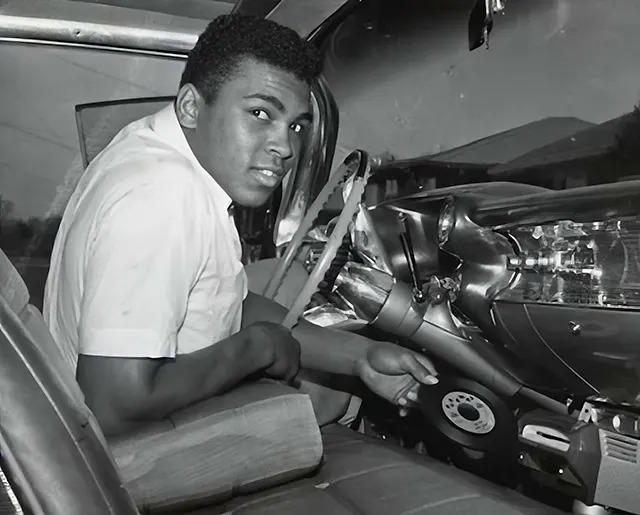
(490, 138)
(288, 466)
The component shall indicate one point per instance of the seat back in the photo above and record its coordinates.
(99, 122)
(49, 433)
(15, 292)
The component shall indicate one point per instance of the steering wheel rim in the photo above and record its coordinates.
(357, 163)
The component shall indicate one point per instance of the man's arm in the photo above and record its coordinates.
(123, 392)
(390, 371)
(321, 348)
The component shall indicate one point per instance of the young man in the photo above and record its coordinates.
(146, 282)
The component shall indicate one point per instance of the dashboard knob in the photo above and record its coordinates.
(575, 328)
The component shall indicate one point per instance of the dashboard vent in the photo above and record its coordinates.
(621, 447)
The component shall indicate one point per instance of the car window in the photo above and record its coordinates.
(40, 158)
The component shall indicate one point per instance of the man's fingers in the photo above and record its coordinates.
(426, 363)
(403, 396)
(420, 368)
(408, 400)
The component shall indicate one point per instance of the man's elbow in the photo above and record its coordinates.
(115, 413)
(117, 391)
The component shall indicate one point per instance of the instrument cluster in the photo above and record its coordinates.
(595, 263)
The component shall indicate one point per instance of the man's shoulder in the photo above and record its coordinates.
(142, 162)
(142, 151)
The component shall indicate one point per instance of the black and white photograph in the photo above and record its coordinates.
(319, 257)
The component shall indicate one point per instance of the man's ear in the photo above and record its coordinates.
(188, 104)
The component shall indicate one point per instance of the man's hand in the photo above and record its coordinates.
(395, 373)
(285, 349)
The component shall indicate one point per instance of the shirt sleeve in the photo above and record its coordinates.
(141, 266)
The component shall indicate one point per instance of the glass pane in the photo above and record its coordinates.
(40, 158)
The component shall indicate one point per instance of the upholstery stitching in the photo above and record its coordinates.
(367, 471)
(288, 492)
(428, 506)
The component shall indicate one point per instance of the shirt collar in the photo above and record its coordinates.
(165, 123)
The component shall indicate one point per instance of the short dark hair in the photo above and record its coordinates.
(232, 37)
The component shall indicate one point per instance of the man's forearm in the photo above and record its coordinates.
(194, 377)
(322, 348)
(330, 350)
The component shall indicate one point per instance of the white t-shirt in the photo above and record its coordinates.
(147, 260)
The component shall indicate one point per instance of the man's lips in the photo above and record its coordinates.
(268, 177)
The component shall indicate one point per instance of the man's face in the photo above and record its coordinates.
(248, 137)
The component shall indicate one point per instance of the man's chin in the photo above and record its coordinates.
(254, 199)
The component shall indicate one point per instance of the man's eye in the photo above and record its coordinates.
(260, 114)
(297, 128)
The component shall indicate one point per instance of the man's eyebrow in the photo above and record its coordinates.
(275, 101)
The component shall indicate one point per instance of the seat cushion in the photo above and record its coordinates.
(254, 437)
(362, 476)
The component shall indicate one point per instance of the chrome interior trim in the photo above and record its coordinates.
(8, 499)
(28, 497)
(85, 46)
(98, 25)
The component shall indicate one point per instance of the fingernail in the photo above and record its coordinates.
(431, 380)
(402, 401)
(412, 395)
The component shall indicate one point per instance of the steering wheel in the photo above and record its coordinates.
(357, 166)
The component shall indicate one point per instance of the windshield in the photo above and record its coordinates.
(555, 70)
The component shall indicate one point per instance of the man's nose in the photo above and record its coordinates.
(280, 143)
